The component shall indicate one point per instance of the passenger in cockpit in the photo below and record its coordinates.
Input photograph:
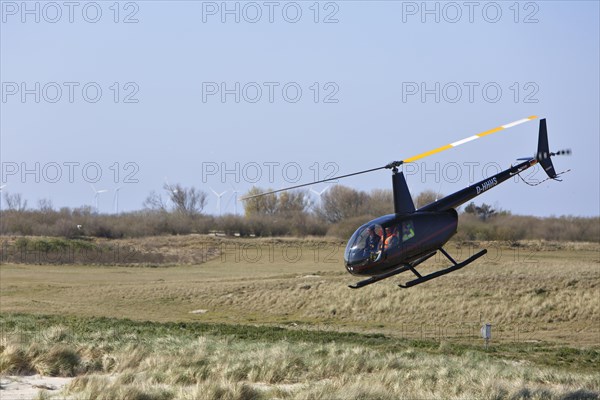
(391, 238)
(408, 231)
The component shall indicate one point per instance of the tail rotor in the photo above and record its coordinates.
(543, 155)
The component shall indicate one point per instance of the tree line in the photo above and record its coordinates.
(336, 212)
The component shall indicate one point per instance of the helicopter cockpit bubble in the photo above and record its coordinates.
(365, 246)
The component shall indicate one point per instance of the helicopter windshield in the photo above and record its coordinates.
(365, 245)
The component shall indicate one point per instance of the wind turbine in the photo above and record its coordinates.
(116, 200)
(1, 187)
(233, 197)
(96, 193)
(174, 191)
(219, 195)
(320, 193)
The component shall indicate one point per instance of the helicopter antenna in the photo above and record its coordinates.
(395, 164)
(547, 179)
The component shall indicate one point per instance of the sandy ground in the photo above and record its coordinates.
(28, 387)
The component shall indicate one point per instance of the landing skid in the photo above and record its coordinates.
(393, 272)
(455, 267)
(420, 278)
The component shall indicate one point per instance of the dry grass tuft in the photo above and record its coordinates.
(58, 360)
(15, 360)
(165, 366)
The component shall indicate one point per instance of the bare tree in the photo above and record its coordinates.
(45, 205)
(189, 201)
(484, 212)
(341, 202)
(263, 205)
(154, 202)
(381, 202)
(15, 202)
(426, 197)
(292, 202)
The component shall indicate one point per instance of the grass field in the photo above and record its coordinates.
(205, 317)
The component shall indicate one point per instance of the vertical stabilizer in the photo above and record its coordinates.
(543, 151)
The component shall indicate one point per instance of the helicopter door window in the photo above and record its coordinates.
(408, 231)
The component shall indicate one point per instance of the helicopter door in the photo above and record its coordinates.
(396, 235)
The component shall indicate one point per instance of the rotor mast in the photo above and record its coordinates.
(403, 203)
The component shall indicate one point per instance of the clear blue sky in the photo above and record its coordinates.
(361, 69)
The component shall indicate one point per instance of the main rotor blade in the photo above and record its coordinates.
(470, 138)
(395, 164)
(313, 183)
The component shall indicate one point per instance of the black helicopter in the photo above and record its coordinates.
(399, 242)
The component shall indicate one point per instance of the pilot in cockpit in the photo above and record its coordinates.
(372, 242)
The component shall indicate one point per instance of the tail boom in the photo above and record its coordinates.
(462, 196)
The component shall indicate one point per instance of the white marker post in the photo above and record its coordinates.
(486, 334)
